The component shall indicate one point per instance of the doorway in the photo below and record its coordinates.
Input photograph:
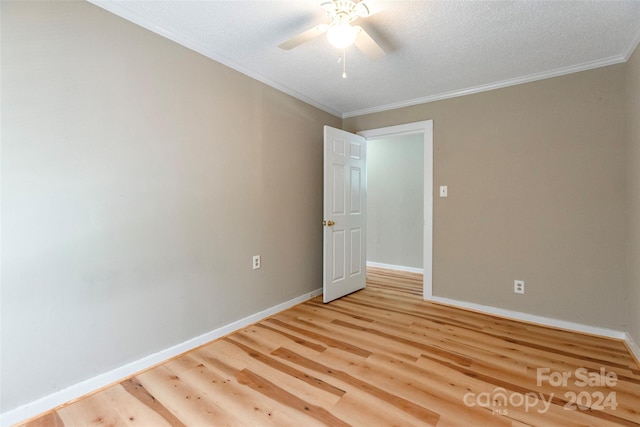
(395, 202)
(424, 130)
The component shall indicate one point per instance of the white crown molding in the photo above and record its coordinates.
(119, 9)
(632, 46)
(484, 88)
(115, 376)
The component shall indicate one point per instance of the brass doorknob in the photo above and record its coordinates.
(328, 223)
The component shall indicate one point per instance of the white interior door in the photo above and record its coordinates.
(345, 183)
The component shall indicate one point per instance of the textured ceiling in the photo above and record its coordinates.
(435, 49)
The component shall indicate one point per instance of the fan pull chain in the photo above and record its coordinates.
(344, 63)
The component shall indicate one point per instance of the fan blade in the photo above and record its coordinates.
(304, 37)
(368, 46)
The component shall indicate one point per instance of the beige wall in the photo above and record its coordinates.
(536, 176)
(633, 190)
(138, 179)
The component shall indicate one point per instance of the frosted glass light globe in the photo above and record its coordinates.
(342, 35)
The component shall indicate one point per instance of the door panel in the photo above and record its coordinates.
(355, 207)
(337, 207)
(339, 244)
(344, 213)
(356, 251)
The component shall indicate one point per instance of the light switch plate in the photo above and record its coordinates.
(443, 191)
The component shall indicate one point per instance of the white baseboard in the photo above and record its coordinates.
(532, 318)
(633, 347)
(395, 267)
(83, 388)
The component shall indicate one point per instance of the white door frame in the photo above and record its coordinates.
(426, 129)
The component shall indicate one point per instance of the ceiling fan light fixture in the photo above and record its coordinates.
(342, 35)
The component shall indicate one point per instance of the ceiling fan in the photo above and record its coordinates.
(340, 32)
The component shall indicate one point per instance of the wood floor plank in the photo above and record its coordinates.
(357, 408)
(217, 362)
(95, 410)
(134, 414)
(297, 340)
(378, 357)
(283, 367)
(312, 389)
(278, 394)
(51, 419)
(418, 386)
(137, 390)
(187, 403)
(223, 389)
(409, 407)
(324, 338)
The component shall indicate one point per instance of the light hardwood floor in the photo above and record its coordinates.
(378, 357)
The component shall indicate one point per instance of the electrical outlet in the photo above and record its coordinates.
(256, 262)
(518, 286)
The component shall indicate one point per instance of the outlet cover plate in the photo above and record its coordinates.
(518, 286)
